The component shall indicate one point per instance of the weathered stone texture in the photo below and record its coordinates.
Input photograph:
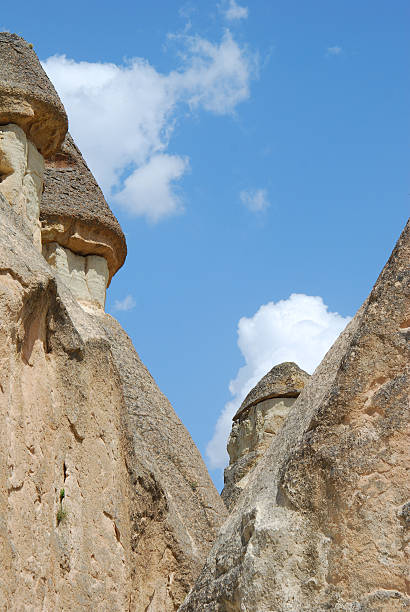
(176, 527)
(85, 276)
(79, 411)
(27, 97)
(322, 524)
(259, 418)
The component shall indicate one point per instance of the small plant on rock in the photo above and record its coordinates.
(61, 515)
(61, 512)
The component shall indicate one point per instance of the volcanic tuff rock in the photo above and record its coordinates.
(322, 523)
(258, 419)
(105, 502)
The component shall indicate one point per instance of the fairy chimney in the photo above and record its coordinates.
(257, 421)
(100, 509)
(81, 237)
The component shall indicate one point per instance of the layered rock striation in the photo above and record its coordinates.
(259, 418)
(323, 523)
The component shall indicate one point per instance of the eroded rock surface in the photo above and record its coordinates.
(85, 275)
(259, 418)
(323, 522)
(80, 412)
(22, 176)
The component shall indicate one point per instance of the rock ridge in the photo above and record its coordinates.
(320, 524)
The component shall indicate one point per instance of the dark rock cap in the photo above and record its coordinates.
(27, 96)
(74, 212)
(284, 380)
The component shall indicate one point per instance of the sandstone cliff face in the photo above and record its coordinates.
(259, 418)
(322, 523)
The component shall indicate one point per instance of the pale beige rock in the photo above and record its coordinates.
(96, 277)
(80, 412)
(259, 418)
(22, 176)
(323, 523)
(33, 183)
(85, 276)
(249, 439)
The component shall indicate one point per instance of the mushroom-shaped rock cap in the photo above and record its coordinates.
(284, 380)
(27, 96)
(74, 212)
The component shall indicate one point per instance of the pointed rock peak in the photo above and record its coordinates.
(286, 379)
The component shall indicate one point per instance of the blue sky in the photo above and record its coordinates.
(254, 150)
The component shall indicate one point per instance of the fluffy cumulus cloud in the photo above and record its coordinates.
(255, 199)
(122, 116)
(234, 11)
(128, 303)
(149, 189)
(299, 329)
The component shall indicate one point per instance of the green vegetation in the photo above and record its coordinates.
(61, 515)
(61, 512)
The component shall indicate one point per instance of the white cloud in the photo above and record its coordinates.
(334, 50)
(215, 77)
(128, 303)
(234, 11)
(148, 190)
(299, 329)
(255, 199)
(122, 116)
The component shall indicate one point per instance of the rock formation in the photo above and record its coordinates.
(322, 522)
(81, 237)
(105, 503)
(258, 419)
